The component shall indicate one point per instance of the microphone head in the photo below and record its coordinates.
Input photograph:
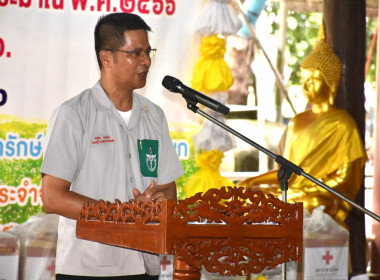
(171, 83)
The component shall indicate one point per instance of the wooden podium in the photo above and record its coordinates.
(231, 231)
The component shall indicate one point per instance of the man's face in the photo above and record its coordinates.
(314, 86)
(130, 70)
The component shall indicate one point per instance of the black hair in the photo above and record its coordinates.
(110, 28)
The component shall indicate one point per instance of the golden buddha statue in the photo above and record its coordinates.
(324, 141)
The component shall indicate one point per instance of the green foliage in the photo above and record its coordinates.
(18, 214)
(301, 36)
(371, 28)
(302, 32)
(189, 168)
(13, 171)
(189, 165)
(24, 129)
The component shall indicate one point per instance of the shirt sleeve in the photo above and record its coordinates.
(52, 119)
(62, 149)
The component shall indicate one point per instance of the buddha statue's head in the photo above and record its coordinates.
(321, 71)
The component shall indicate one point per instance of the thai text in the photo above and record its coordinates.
(20, 195)
(14, 147)
(182, 148)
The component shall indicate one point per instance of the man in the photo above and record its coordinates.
(109, 143)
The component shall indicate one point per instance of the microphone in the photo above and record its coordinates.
(175, 85)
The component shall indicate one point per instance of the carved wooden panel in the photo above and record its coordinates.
(243, 231)
(232, 231)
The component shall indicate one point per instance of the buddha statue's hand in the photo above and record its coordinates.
(268, 178)
(274, 189)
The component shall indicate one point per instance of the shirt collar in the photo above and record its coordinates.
(104, 102)
(101, 97)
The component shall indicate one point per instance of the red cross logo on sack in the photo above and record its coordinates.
(51, 268)
(327, 257)
(164, 263)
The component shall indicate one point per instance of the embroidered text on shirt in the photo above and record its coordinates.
(105, 139)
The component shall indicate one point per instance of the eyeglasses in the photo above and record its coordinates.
(137, 53)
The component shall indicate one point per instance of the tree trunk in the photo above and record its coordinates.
(376, 167)
(345, 23)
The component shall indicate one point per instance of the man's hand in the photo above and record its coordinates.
(151, 193)
(154, 192)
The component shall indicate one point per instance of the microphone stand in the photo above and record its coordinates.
(287, 168)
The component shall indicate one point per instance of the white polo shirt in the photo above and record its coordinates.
(91, 146)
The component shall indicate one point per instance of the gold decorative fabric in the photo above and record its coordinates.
(208, 175)
(329, 149)
(211, 72)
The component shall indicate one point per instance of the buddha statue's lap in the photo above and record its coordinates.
(324, 141)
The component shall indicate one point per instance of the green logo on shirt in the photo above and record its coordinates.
(148, 155)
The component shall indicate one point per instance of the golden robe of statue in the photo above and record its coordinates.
(324, 141)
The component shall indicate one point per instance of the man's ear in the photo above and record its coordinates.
(105, 58)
